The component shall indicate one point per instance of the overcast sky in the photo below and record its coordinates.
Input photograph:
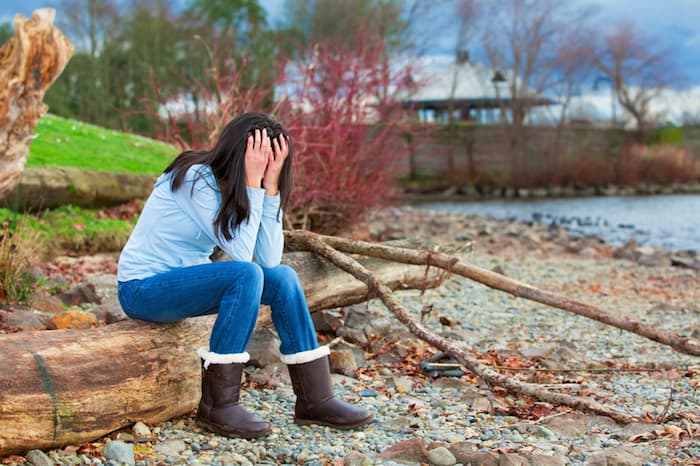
(675, 22)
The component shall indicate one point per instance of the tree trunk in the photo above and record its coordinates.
(29, 63)
(71, 386)
(50, 187)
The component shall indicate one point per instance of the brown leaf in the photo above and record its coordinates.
(674, 431)
(644, 437)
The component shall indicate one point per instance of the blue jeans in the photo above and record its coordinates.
(233, 291)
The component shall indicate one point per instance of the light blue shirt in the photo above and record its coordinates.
(176, 229)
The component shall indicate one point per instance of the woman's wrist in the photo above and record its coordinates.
(254, 183)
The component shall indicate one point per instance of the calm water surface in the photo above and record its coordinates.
(671, 221)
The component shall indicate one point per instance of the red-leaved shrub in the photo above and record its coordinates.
(341, 109)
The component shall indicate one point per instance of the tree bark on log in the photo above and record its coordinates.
(499, 282)
(51, 187)
(71, 386)
(29, 63)
(311, 242)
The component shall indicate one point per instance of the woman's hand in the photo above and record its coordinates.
(257, 154)
(274, 166)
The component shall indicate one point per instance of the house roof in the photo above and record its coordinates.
(473, 84)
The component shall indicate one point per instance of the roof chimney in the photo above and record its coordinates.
(462, 56)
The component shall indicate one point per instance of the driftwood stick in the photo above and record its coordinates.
(311, 242)
(499, 282)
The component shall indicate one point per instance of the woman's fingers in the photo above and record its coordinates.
(277, 150)
(284, 144)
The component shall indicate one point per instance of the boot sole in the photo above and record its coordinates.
(218, 429)
(309, 422)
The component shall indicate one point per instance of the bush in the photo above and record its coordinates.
(667, 136)
(83, 230)
(339, 106)
(656, 164)
(21, 247)
(72, 228)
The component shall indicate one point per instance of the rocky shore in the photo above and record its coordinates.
(434, 414)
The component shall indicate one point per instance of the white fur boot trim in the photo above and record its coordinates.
(306, 356)
(215, 358)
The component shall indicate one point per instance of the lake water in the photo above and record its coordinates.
(669, 221)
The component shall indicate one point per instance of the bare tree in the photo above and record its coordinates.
(526, 41)
(639, 68)
(467, 15)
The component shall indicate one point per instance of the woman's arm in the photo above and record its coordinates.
(270, 240)
(199, 197)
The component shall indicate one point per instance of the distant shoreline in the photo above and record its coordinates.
(470, 193)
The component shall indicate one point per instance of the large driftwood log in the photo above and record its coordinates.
(29, 63)
(51, 187)
(70, 386)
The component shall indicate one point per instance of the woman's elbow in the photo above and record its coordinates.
(269, 261)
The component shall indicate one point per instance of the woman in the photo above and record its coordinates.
(231, 196)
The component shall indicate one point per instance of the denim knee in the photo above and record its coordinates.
(251, 276)
(283, 278)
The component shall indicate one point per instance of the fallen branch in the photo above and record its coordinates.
(312, 242)
(499, 282)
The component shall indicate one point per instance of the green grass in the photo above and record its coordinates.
(61, 142)
(72, 228)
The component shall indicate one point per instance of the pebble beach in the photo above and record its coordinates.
(448, 418)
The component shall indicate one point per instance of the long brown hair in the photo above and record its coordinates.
(227, 162)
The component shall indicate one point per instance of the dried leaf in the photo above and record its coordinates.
(644, 437)
(674, 431)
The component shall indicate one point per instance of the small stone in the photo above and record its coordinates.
(125, 437)
(44, 301)
(326, 321)
(121, 452)
(26, 319)
(171, 447)
(110, 311)
(618, 456)
(141, 430)
(543, 432)
(240, 459)
(368, 392)
(343, 362)
(467, 453)
(403, 384)
(82, 293)
(306, 455)
(353, 335)
(574, 424)
(39, 458)
(355, 458)
(539, 350)
(73, 319)
(546, 460)
(412, 450)
(264, 348)
(441, 456)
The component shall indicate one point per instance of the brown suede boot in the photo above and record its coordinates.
(219, 410)
(315, 403)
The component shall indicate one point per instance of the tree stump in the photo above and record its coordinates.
(29, 63)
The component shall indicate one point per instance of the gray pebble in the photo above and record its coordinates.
(39, 458)
(120, 452)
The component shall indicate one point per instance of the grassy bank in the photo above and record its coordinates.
(61, 142)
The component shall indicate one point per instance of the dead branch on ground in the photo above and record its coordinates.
(499, 282)
(313, 243)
